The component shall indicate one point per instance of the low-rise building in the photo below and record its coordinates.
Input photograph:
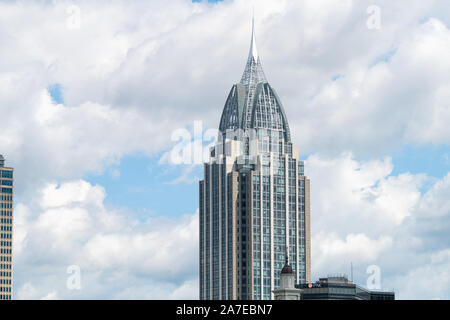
(340, 288)
(330, 288)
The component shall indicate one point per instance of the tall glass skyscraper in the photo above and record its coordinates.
(6, 223)
(254, 200)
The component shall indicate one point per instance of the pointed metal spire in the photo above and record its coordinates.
(253, 48)
(287, 256)
(253, 103)
(287, 269)
(253, 73)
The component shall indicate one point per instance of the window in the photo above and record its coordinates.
(7, 174)
(6, 190)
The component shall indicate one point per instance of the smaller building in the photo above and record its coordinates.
(287, 290)
(330, 288)
(340, 288)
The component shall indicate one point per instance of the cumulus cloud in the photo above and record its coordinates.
(375, 106)
(361, 214)
(430, 281)
(133, 72)
(122, 257)
(346, 193)
(116, 252)
(329, 247)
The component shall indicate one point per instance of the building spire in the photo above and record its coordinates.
(287, 256)
(287, 269)
(253, 73)
(253, 48)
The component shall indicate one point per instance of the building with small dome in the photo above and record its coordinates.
(336, 287)
(287, 290)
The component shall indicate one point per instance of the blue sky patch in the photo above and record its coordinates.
(143, 185)
(384, 58)
(430, 159)
(55, 91)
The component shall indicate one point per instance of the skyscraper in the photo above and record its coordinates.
(254, 199)
(6, 223)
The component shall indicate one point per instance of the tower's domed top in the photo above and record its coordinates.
(287, 268)
(253, 103)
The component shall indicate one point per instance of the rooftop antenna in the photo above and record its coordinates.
(351, 271)
(253, 49)
(287, 256)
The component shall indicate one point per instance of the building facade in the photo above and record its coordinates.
(254, 199)
(6, 230)
(340, 288)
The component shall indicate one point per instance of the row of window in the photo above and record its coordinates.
(5, 259)
(5, 213)
(5, 244)
(8, 174)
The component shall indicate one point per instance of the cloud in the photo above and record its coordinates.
(329, 247)
(67, 142)
(346, 194)
(362, 214)
(70, 225)
(123, 257)
(373, 109)
(135, 72)
(430, 281)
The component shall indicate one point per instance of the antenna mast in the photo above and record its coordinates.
(351, 270)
